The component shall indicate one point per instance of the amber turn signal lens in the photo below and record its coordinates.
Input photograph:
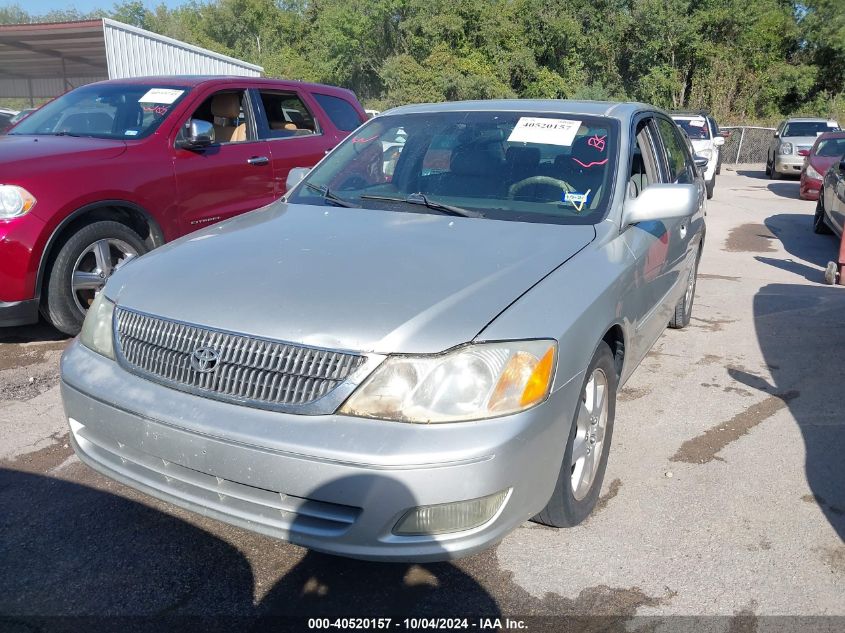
(540, 380)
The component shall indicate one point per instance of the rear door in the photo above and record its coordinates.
(297, 133)
(232, 176)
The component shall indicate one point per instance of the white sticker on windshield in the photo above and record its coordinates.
(546, 131)
(161, 95)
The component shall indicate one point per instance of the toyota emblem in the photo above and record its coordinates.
(204, 359)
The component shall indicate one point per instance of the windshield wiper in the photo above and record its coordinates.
(328, 196)
(421, 199)
(65, 133)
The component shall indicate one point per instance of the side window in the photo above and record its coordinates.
(681, 169)
(287, 115)
(643, 170)
(226, 111)
(342, 114)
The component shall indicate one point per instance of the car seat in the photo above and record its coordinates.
(226, 109)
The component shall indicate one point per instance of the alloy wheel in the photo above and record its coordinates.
(94, 266)
(591, 425)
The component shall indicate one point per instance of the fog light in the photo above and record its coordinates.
(450, 517)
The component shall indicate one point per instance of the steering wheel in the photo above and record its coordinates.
(538, 180)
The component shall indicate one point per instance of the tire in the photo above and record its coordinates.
(819, 225)
(768, 168)
(683, 310)
(565, 508)
(64, 304)
(773, 173)
(710, 186)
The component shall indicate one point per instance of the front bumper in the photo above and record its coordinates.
(788, 164)
(331, 483)
(809, 188)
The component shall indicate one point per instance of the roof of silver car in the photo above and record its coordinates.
(618, 110)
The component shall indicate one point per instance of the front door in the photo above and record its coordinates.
(232, 176)
(649, 242)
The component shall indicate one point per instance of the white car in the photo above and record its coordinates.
(705, 141)
(6, 116)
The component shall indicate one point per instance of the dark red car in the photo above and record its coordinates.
(111, 170)
(827, 150)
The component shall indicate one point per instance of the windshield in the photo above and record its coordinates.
(530, 167)
(808, 128)
(831, 147)
(104, 111)
(696, 128)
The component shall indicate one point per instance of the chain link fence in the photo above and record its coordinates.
(746, 144)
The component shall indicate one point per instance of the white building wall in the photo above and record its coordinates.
(134, 52)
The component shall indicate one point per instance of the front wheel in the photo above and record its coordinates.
(710, 186)
(83, 264)
(585, 457)
(819, 225)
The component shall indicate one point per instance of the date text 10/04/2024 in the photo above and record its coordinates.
(416, 624)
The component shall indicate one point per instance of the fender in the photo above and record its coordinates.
(156, 234)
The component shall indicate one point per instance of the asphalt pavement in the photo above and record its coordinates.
(724, 496)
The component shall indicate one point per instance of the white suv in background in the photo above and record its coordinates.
(706, 142)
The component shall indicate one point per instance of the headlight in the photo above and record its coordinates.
(812, 173)
(97, 329)
(706, 153)
(473, 382)
(14, 201)
(786, 148)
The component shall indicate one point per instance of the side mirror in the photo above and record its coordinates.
(295, 176)
(718, 141)
(199, 134)
(776, 134)
(661, 202)
(700, 161)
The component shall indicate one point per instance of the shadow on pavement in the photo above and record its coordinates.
(800, 332)
(752, 173)
(795, 232)
(72, 550)
(788, 189)
(41, 331)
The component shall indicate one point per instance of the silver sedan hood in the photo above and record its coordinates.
(354, 279)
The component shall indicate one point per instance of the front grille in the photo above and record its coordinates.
(248, 370)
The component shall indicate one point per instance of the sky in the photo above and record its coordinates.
(43, 6)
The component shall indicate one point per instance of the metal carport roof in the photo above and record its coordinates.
(45, 60)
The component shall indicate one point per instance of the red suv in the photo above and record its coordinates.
(113, 169)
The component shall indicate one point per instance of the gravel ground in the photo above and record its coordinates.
(724, 494)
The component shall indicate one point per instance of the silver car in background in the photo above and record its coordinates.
(403, 365)
(791, 143)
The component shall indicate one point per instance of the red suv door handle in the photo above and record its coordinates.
(258, 160)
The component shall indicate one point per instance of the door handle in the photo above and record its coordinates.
(258, 160)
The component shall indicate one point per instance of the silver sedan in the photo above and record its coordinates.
(413, 353)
